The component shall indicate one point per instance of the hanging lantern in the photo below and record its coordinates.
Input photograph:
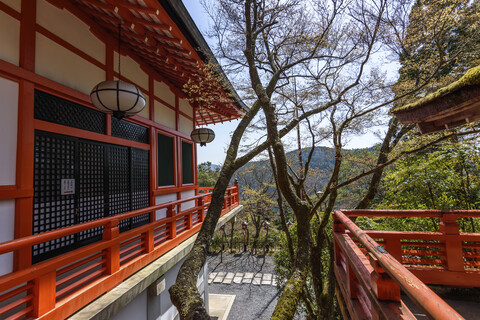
(120, 98)
(117, 97)
(202, 136)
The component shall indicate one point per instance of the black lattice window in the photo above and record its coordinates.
(57, 110)
(140, 184)
(92, 187)
(128, 130)
(119, 183)
(54, 161)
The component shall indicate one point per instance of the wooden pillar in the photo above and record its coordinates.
(394, 248)
(25, 134)
(383, 285)
(111, 232)
(172, 225)
(201, 205)
(453, 242)
(44, 290)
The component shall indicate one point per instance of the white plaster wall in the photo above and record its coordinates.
(185, 195)
(146, 111)
(7, 216)
(135, 310)
(14, 4)
(185, 107)
(8, 130)
(57, 63)
(71, 29)
(164, 115)
(131, 70)
(9, 39)
(164, 198)
(163, 92)
(185, 125)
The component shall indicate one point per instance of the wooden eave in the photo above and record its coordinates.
(150, 34)
(450, 110)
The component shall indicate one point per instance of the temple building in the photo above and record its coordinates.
(98, 210)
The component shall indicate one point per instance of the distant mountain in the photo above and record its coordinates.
(321, 166)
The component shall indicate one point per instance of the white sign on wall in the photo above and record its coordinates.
(68, 186)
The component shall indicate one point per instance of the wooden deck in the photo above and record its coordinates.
(372, 268)
(57, 287)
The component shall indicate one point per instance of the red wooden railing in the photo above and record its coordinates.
(56, 288)
(370, 273)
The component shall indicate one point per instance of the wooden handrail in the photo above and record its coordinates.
(410, 213)
(420, 294)
(16, 244)
(143, 244)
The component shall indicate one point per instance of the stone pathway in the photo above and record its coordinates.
(265, 279)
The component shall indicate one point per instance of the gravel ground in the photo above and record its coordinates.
(251, 301)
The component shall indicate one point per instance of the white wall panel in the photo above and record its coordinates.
(164, 198)
(8, 130)
(164, 115)
(163, 92)
(185, 107)
(185, 125)
(71, 29)
(9, 38)
(189, 204)
(57, 63)
(131, 70)
(146, 111)
(7, 216)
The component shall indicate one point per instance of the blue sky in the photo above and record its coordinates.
(215, 151)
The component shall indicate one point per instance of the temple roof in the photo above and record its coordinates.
(162, 35)
(448, 107)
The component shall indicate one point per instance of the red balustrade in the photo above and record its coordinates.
(57, 287)
(372, 267)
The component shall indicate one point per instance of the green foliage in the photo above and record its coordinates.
(207, 176)
(445, 177)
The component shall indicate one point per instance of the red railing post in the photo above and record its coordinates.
(149, 240)
(189, 218)
(111, 232)
(453, 242)
(339, 227)
(237, 194)
(229, 198)
(44, 290)
(394, 247)
(383, 285)
(201, 205)
(172, 225)
(352, 282)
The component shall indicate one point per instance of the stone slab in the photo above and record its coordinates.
(257, 281)
(237, 279)
(220, 305)
(247, 280)
(248, 275)
(267, 276)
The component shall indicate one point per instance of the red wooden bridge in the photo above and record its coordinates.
(372, 268)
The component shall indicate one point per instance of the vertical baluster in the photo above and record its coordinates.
(201, 205)
(111, 231)
(44, 290)
(453, 242)
(383, 285)
(172, 225)
(149, 240)
(394, 247)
